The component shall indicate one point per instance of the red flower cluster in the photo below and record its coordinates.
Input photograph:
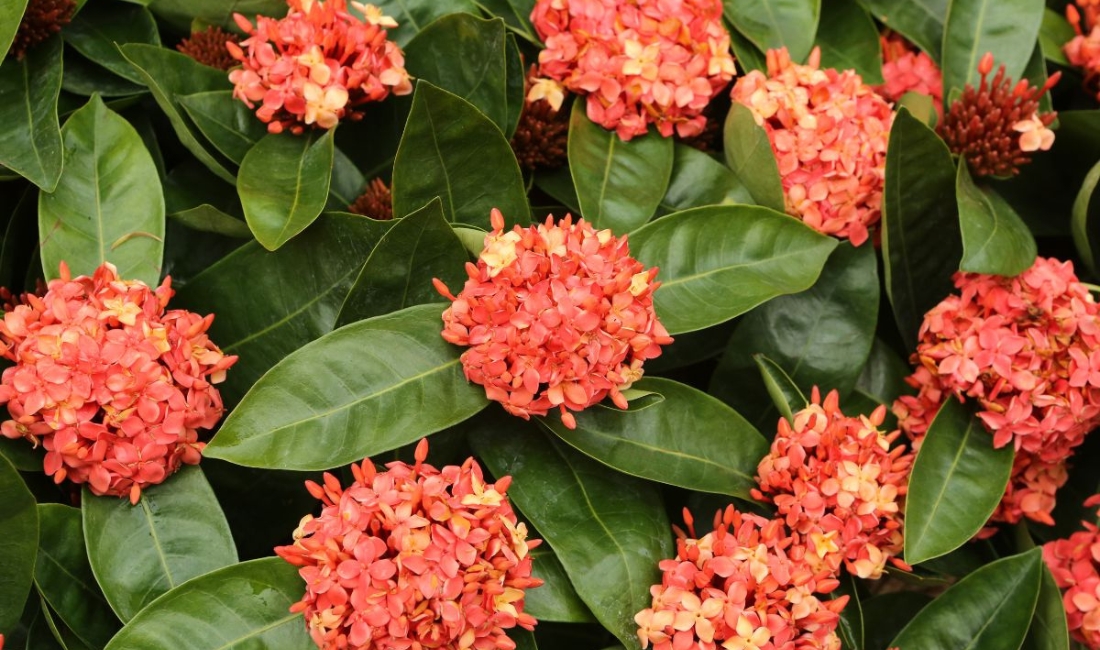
(905, 69)
(1027, 349)
(115, 387)
(413, 557)
(1083, 50)
(1075, 565)
(555, 315)
(317, 65)
(640, 62)
(829, 133)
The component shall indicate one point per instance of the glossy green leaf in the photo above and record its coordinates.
(920, 21)
(21, 454)
(108, 205)
(53, 634)
(85, 78)
(719, 262)
(698, 180)
(516, 15)
(957, 480)
(226, 122)
(241, 606)
(516, 86)
(19, 521)
(414, 15)
(182, 13)
(451, 150)
(883, 377)
(1049, 629)
(262, 330)
(175, 532)
(608, 530)
(347, 182)
(11, 14)
(1085, 225)
(197, 198)
(687, 438)
(920, 106)
(850, 626)
(691, 348)
(750, 156)
(558, 185)
(366, 388)
(556, 600)
(777, 23)
(747, 56)
(98, 30)
(399, 272)
(65, 578)
(1054, 32)
(849, 40)
(995, 239)
(989, 609)
(283, 185)
(885, 615)
(921, 241)
(30, 136)
(785, 394)
(619, 184)
(1006, 28)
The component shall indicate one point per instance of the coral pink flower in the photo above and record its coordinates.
(413, 557)
(316, 66)
(1075, 565)
(836, 477)
(745, 586)
(829, 132)
(1083, 51)
(1027, 350)
(115, 387)
(907, 69)
(639, 62)
(555, 315)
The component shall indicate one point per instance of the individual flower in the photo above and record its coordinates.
(41, 20)
(541, 137)
(829, 132)
(1024, 350)
(836, 478)
(744, 586)
(905, 68)
(115, 387)
(638, 62)
(375, 202)
(996, 126)
(316, 66)
(554, 315)
(207, 46)
(1075, 565)
(412, 557)
(1083, 51)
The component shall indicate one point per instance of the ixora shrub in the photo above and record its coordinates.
(591, 324)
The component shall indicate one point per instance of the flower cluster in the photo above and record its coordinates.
(836, 478)
(115, 387)
(375, 202)
(639, 62)
(745, 586)
(412, 557)
(541, 137)
(1027, 350)
(207, 46)
(41, 20)
(829, 132)
(1083, 51)
(317, 65)
(555, 315)
(906, 68)
(1075, 565)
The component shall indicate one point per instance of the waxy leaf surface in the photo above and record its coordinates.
(30, 136)
(19, 521)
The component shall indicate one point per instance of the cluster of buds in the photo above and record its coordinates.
(541, 137)
(1083, 51)
(375, 202)
(905, 68)
(113, 386)
(1075, 565)
(208, 47)
(640, 62)
(316, 66)
(41, 20)
(413, 557)
(554, 315)
(829, 133)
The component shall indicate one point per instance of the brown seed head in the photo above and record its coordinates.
(375, 202)
(540, 139)
(208, 47)
(42, 19)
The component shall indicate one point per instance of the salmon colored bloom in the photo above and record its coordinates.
(639, 62)
(413, 557)
(836, 477)
(1075, 565)
(115, 387)
(1027, 350)
(744, 586)
(554, 315)
(829, 132)
(316, 66)
(1083, 51)
(905, 68)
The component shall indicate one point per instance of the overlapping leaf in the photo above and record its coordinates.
(19, 520)
(777, 23)
(30, 137)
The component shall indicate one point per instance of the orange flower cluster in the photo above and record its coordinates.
(1083, 50)
(413, 557)
(316, 66)
(829, 133)
(1027, 349)
(555, 315)
(907, 69)
(115, 387)
(1075, 565)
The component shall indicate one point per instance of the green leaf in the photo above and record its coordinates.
(608, 530)
(920, 106)
(19, 521)
(366, 388)
(851, 626)
(108, 205)
(65, 578)
(1006, 28)
(785, 394)
(989, 609)
(685, 438)
(849, 40)
(283, 185)
(920, 21)
(241, 606)
(175, 532)
(21, 454)
(995, 240)
(197, 198)
(883, 377)
(885, 615)
(777, 23)
(516, 15)
(556, 600)
(85, 78)
(719, 262)
(413, 16)
(11, 14)
(516, 86)
(30, 137)
(558, 185)
(1085, 227)
(921, 241)
(98, 30)
(749, 154)
(451, 150)
(698, 180)
(1054, 32)
(957, 480)
(182, 13)
(53, 634)
(399, 272)
(1049, 629)
(226, 122)
(619, 184)
(747, 56)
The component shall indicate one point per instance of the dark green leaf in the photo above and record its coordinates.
(84, 78)
(849, 40)
(1054, 33)
(53, 634)
(921, 106)
(1086, 229)
(19, 521)
(883, 378)
(194, 196)
(777, 23)
(556, 599)
(108, 205)
(691, 348)
(1049, 629)
(516, 87)
(11, 14)
(414, 15)
(181, 14)
(516, 14)
(885, 615)
(719, 262)
(920, 21)
(995, 240)
(785, 394)
(30, 137)
(558, 184)
(750, 156)
(347, 182)
(523, 639)
(851, 617)
(698, 180)
(21, 454)
(227, 123)
(1006, 28)
(97, 31)
(747, 56)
